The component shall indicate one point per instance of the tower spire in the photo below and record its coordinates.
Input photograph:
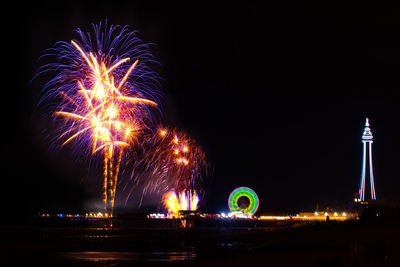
(367, 135)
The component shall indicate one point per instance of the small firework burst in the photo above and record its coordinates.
(171, 161)
(185, 201)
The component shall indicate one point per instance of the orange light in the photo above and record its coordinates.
(104, 112)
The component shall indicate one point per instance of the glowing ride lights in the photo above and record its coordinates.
(234, 215)
(156, 216)
(243, 192)
(103, 91)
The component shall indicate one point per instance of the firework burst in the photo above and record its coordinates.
(171, 161)
(186, 200)
(103, 94)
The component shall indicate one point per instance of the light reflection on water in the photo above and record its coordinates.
(117, 256)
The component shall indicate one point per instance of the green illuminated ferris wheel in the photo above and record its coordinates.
(247, 193)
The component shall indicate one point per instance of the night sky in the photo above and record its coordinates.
(277, 96)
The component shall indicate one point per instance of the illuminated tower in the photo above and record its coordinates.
(367, 140)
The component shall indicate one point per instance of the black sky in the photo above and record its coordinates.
(277, 95)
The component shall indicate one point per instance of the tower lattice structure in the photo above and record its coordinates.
(367, 140)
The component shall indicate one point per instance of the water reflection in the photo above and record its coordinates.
(117, 256)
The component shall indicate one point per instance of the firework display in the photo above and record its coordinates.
(243, 192)
(172, 162)
(186, 200)
(102, 96)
